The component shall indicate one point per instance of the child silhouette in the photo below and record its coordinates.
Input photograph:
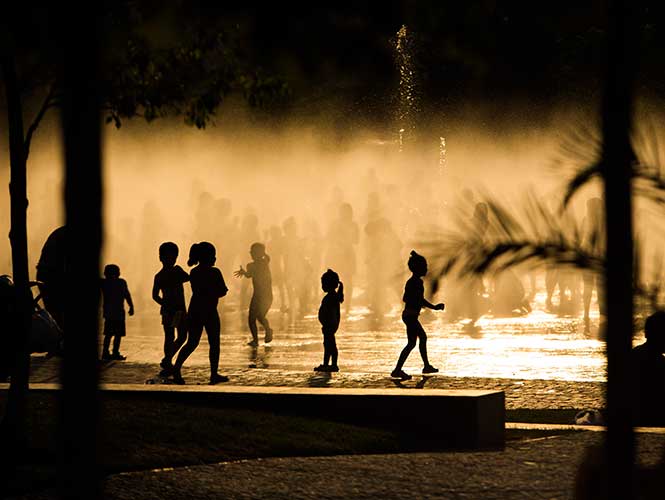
(168, 292)
(207, 288)
(259, 271)
(329, 318)
(114, 293)
(414, 301)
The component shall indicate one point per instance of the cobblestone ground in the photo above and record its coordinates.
(541, 360)
(534, 394)
(542, 468)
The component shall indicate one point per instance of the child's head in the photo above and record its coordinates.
(111, 271)
(202, 253)
(168, 253)
(329, 281)
(417, 264)
(258, 251)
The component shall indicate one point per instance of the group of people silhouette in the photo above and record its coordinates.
(183, 326)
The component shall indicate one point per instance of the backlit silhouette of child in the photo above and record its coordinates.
(114, 293)
(414, 301)
(329, 318)
(207, 288)
(259, 271)
(168, 292)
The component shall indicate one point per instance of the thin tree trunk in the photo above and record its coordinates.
(83, 201)
(14, 425)
(617, 164)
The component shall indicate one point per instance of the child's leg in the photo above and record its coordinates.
(107, 344)
(251, 321)
(213, 328)
(411, 342)
(180, 340)
(116, 344)
(422, 345)
(261, 316)
(333, 350)
(193, 339)
(169, 333)
(326, 355)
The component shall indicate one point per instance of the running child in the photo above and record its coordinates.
(414, 301)
(207, 288)
(259, 271)
(329, 319)
(114, 293)
(169, 293)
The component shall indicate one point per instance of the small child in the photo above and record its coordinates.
(208, 287)
(329, 319)
(169, 283)
(115, 293)
(259, 306)
(414, 301)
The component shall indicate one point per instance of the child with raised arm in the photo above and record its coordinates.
(329, 318)
(414, 301)
(259, 271)
(169, 293)
(114, 293)
(207, 288)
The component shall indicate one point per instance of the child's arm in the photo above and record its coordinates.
(155, 292)
(242, 272)
(128, 298)
(222, 289)
(340, 292)
(438, 307)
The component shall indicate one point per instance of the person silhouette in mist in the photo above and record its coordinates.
(208, 287)
(342, 238)
(414, 301)
(276, 246)
(259, 305)
(168, 292)
(114, 292)
(648, 373)
(329, 317)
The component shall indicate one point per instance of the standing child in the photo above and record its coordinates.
(414, 301)
(259, 271)
(207, 288)
(114, 293)
(329, 319)
(169, 293)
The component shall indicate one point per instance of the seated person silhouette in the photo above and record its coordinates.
(648, 373)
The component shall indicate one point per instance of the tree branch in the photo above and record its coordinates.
(48, 103)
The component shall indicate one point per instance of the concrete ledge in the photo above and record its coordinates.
(451, 418)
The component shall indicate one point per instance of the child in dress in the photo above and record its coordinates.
(329, 318)
(414, 301)
(169, 293)
(259, 271)
(114, 293)
(207, 288)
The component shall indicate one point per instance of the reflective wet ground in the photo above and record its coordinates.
(540, 345)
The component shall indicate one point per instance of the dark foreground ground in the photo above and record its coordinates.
(154, 449)
(157, 449)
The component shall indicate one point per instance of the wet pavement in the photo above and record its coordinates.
(541, 360)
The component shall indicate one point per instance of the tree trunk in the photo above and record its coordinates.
(14, 425)
(78, 459)
(617, 165)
